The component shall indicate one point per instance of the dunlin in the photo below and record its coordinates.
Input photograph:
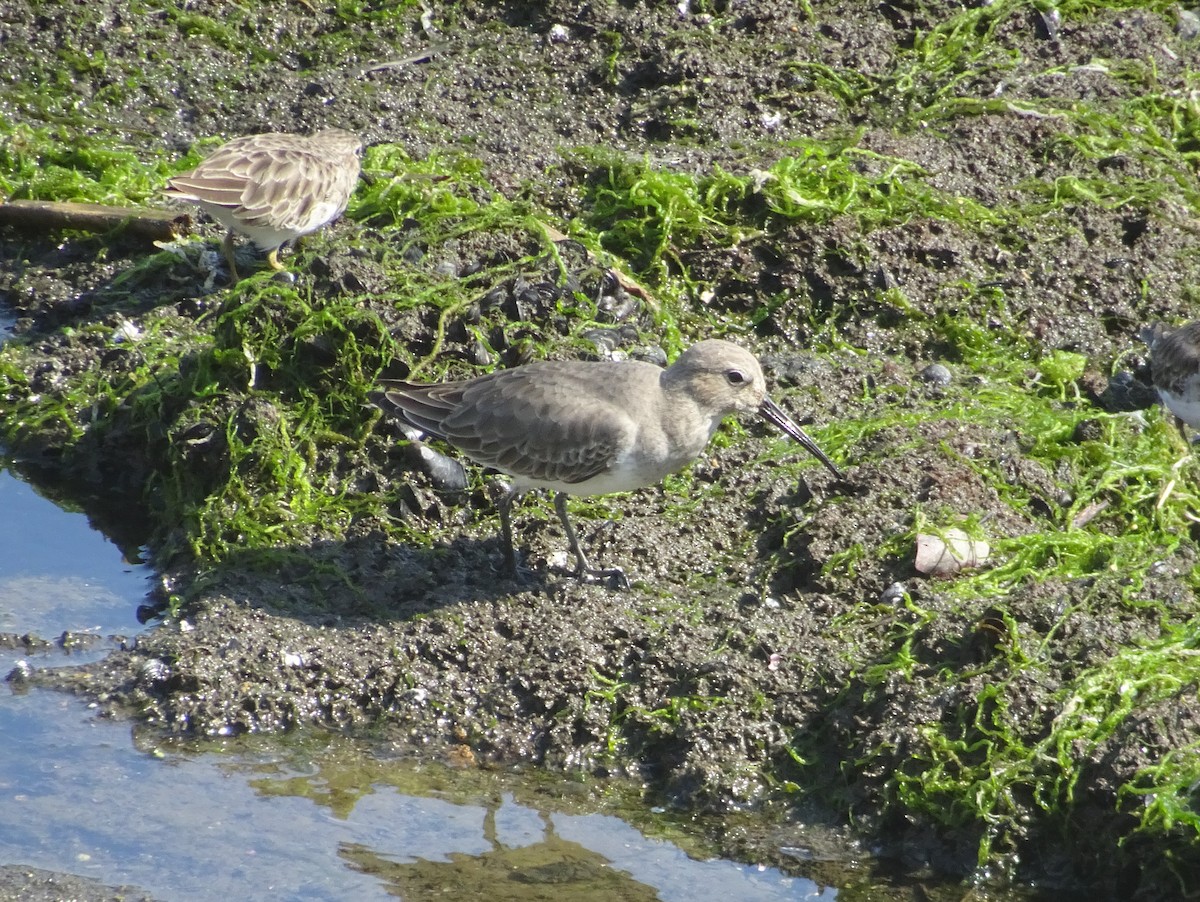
(273, 188)
(591, 428)
(1175, 362)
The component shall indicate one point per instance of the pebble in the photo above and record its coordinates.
(153, 672)
(446, 474)
(20, 673)
(935, 374)
(1187, 24)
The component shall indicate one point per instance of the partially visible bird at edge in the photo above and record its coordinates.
(590, 428)
(1175, 364)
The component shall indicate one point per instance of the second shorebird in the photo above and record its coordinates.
(1175, 363)
(273, 188)
(591, 428)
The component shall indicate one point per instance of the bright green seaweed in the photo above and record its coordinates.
(276, 379)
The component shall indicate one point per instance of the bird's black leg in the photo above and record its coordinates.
(583, 570)
(504, 505)
(1184, 432)
(227, 247)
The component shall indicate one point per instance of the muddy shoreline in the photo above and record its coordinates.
(854, 195)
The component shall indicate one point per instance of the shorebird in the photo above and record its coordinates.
(273, 188)
(591, 428)
(1175, 362)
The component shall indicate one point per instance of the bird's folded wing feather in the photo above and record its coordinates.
(219, 190)
(520, 422)
(533, 426)
(294, 191)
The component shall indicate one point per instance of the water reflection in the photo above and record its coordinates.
(58, 575)
(424, 830)
(323, 817)
(320, 817)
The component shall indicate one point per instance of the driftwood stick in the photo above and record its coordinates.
(46, 215)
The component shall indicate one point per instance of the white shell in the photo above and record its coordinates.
(948, 553)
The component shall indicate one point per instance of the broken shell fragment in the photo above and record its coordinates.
(946, 554)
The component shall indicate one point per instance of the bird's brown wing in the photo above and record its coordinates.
(289, 184)
(222, 178)
(272, 181)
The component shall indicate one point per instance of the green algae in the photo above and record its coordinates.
(276, 382)
(643, 214)
(53, 164)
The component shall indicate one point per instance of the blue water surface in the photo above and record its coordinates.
(268, 819)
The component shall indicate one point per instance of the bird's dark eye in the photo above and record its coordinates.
(736, 377)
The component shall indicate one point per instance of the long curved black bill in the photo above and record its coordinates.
(772, 413)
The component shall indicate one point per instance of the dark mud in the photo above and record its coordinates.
(36, 885)
(735, 605)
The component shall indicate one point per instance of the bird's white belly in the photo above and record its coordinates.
(628, 473)
(226, 216)
(270, 234)
(1187, 409)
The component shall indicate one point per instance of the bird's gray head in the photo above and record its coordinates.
(721, 376)
(723, 379)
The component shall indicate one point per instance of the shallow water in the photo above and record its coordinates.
(323, 820)
(58, 575)
(315, 817)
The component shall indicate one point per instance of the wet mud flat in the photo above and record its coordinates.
(854, 194)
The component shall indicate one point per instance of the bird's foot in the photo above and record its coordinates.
(515, 569)
(610, 577)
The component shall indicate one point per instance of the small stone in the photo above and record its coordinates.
(1088, 431)
(945, 555)
(418, 695)
(935, 374)
(481, 355)
(147, 612)
(884, 278)
(651, 354)
(1051, 22)
(153, 672)
(125, 331)
(493, 298)
(446, 473)
(1187, 25)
